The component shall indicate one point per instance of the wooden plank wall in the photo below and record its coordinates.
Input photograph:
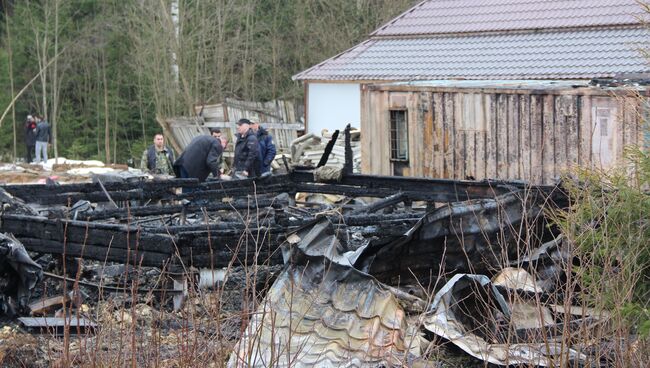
(274, 112)
(472, 135)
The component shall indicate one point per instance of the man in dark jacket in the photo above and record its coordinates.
(267, 148)
(200, 158)
(30, 138)
(42, 139)
(157, 159)
(247, 149)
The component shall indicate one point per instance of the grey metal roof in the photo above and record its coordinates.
(554, 54)
(452, 16)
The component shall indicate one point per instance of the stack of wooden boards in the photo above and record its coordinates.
(308, 149)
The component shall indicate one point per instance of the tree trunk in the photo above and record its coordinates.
(55, 83)
(107, 137)
(11, 78)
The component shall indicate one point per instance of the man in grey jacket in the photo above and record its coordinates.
(42, 139)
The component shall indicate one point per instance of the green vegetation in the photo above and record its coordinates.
(114, 74)
(608, 224)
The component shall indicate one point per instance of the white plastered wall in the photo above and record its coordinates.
(332, 106)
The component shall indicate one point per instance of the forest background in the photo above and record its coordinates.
(102, 70)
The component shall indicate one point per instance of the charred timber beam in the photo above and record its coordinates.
(139, 194)
(237, 229)
(379, 219)
(45, 189)
(222, 228)
(328, 149)
(452, 190)
(95, 252)
(71, 198)
(257, 182)
(89, 233)
(416, 189)
(348, 167)
(122, 213)
(354, 191)
(235, 192)
(201, 249)
(381, 204)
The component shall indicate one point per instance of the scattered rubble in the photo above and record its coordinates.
(19, 275)
(318, 266)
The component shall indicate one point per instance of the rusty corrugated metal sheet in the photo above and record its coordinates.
(456, 16)
(565, 54)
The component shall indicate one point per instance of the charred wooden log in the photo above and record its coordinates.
(124, 213)
(88, 233)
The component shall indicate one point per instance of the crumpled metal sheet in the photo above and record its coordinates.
(323, 312)
(20, 274)
(471, 313)
(548, 263)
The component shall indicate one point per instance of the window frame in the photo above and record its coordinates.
(396, 135)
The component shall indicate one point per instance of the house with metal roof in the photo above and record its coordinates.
(515, 89)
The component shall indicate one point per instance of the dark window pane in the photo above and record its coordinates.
(398, 135)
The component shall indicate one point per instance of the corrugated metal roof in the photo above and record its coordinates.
(560, 54)
(452, 16)
(322, 312)
(346, 322)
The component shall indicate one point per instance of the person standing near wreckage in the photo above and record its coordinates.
(267, 148)
(217, 134)
(30, 138)
(158, 159)
(42, 138)
(247, 149)
(200, 158)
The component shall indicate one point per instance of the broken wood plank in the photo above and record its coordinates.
(47, 305)
(57, 326)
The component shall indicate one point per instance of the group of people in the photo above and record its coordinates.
(37, 138)
(254, 152)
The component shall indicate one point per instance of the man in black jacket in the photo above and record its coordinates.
(267, 148)
(247, 150)
(200, 158)
(30, 138)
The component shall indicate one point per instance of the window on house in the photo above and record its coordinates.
(399, 144)
(602, 116)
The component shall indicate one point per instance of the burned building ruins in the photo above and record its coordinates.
(360, 258)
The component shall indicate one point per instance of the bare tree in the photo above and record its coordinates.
(11, 79)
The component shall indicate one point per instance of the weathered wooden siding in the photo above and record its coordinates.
(375, 140)
(528, 135)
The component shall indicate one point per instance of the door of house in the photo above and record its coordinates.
(604, 128)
